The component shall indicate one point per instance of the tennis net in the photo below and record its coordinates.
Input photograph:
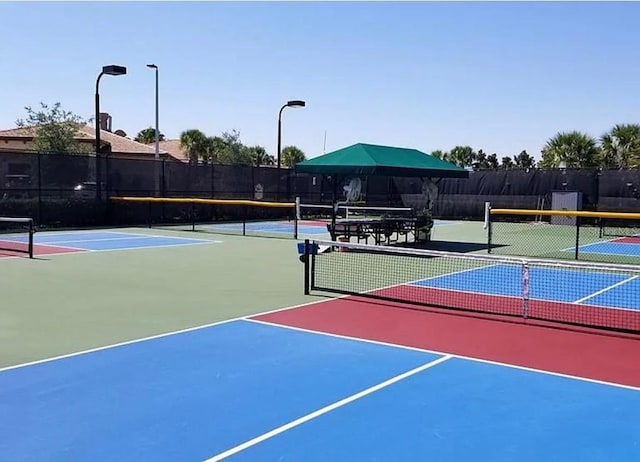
(568, 293)
(16, 236)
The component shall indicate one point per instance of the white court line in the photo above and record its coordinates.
(466, 358)
(326, 409)
(153, 337)
(606, 289)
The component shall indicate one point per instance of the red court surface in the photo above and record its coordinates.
(596, 356)
(39, 250)
(628, 240)
(558, 311)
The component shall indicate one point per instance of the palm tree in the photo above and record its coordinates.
(524, 160)
(507, 163)
(259, 156)
(213, 149)
(462, 156)
(148, 136)
(492, 161)
(621, 147)
(574, 149)
(194, 143)
(291, 155)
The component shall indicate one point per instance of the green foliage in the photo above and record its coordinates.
(55, 129)
(462, 156)
(259, 156)
(574, 149)
(524, 160)
(148, 135)
(233, 151)
(194, 144)
(291, 155)
(621, 147)
(507, 163)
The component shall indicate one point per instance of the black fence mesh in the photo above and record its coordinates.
(60, 190)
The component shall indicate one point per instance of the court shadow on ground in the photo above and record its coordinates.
(446, 246)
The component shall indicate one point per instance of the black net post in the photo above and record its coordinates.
(295, 217)
(192, 210)
(244, 221)
(307, 257)
(31, 233)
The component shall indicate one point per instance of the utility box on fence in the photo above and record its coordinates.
(565, 200)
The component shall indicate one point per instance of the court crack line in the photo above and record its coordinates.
(326, 409)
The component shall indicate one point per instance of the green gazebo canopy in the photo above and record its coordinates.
(371, 159)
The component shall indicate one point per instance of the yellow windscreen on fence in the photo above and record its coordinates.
(195, 200)
(608, 237)
(566, 213)
(221, 216)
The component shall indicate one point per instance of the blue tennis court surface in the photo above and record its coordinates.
(251, 391)
(606, 289)
(271, 227)
(316, 228)
(611, 248)
(103, 240)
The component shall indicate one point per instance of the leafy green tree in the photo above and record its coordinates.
(438, 154)
(524, 160)
(234, 152)
(621, 147)
(462, 156)
(480, 161)
(214, 147)
(194, 143)
(575, 149)
(291, 155)
(492, 161)
(55, 129)
(148, 135)
(259, 156)
(507, 163)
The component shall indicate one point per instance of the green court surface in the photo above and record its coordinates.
(59, 304)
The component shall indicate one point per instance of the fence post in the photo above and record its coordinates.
(39, 190)
(487, 224)
(577, 236)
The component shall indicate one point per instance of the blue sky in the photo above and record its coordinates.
(497, 76)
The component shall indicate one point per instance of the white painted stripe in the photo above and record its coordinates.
(326, 409)
(606, 289)
(466, 358)
(153, 337)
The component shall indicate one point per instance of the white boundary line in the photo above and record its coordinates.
(467, 358)
(326, 409)
(606, 289)
(517, 297)
(157, 336)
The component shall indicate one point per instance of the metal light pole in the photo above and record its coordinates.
(293, 103)
(108, 70)
(157, 155)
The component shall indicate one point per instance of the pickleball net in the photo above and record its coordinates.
(16, 236)
(602, 296)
